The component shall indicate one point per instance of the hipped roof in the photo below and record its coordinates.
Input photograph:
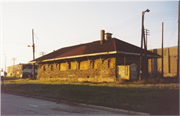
(112, 46)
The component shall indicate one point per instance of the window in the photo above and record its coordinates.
(72, 65)
(63, 66)
(83, 65)
(95, 64)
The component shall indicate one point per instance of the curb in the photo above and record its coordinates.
(83, 105)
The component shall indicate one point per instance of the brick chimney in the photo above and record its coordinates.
(108, 36)
(102, 36)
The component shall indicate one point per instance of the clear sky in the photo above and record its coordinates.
(60, 24)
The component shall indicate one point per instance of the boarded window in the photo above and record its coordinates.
(111, 63)
(83, 65)
(63, 66)
(95, 64)
(72, 65)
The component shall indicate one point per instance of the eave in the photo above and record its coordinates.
(95, 54)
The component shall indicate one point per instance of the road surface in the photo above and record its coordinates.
(20, 105)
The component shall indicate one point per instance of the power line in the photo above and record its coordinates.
(36, 36)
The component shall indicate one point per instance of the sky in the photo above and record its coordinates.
(59, 24)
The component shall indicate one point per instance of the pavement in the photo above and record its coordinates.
(21, 104)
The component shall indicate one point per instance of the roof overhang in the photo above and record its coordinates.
(94, 54)
(77, 56)
(137, 54)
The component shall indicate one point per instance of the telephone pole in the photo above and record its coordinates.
(162, 51)
(178, 40)
(33, 46)
(146, 59)
(33, 67)
(147, 33)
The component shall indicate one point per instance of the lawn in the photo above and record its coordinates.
(156, 99)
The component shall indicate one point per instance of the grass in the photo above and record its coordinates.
(156, 99)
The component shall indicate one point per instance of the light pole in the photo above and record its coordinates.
(33, 45)
(178, 62)
(145, 47)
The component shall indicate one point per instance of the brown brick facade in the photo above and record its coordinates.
(93, 70)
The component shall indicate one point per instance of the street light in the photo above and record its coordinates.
(142, 29)
(147, 10)
(143, 39)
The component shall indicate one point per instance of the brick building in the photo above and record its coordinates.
(95, 61)
(14, 70)
(169, 62)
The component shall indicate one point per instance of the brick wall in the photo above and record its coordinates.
(93, 70)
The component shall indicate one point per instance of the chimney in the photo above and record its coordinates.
(102, 36)
(108, 36)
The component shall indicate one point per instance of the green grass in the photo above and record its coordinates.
(160, 99)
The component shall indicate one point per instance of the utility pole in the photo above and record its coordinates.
(178, 40)
(33, 67)
(147, 33)
(33, 46)
(142, 36)
(162, 50)
(146, 59)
